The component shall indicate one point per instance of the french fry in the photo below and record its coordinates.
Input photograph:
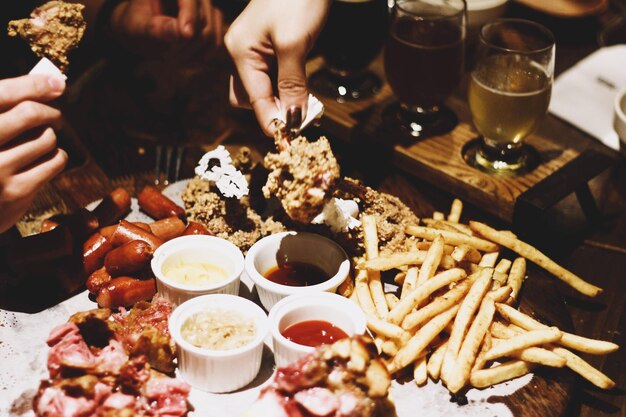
(452, 238)
(578, 365)
(502, 331)
(434, 362)
(420, 374)
(386, 329)
(487, 377)
(500, 295)
(442, 225)
(361, 287)
(471, 344)
(418, 343)
(419, 294)
(572, 341)
(455, 211)
(524, 340)
(533, 254)
(489, 259)
(470, 304)
(516, 276)
(448, 225)
(397, 260)
(410, 281)
(370, 240)
(466, 253)
(431, 263)
(438, 215)
(480, 359)
(436, 306)
(503, 266)
(389, 347)
(392, 300)
(423, 245)
(540, 356)
(399, 278)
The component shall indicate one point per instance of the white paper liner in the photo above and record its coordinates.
(46, 67)
(315, 109)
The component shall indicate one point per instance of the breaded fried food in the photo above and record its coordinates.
(301, 177)
(52, 30)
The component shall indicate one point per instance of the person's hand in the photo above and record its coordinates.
(273, 36)
(146, 26)
(29, 156)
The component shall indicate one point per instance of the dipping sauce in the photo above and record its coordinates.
(218, 329)
(194, 273)
(296, 274)
(313, 333)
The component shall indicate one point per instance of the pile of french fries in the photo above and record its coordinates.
(454, 318)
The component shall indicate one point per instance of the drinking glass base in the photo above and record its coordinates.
(525, 160)
(419, 126)
(342, 88)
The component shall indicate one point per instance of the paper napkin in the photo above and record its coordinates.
(315, 109)
(584, 94)
(45, 66)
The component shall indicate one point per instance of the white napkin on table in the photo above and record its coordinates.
(584, 94)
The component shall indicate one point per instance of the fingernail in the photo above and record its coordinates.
(57, 84)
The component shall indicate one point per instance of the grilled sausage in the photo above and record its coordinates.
(97, 280)
(128, 258)
(157, 205)
(113, 207)
(94, 251)
(167, 228)
(195, 228)
(126, 232)
(125, 291)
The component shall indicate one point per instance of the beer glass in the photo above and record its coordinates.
(424, 60)
(352, 37)
(509, 91)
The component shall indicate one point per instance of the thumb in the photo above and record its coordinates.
(291, 83)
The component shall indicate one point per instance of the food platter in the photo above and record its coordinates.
(24, 352)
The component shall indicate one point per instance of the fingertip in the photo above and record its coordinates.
(187, 30)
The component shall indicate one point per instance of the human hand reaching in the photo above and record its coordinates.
(29, 156)
(269, 43)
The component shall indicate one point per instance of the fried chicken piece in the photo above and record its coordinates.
(301, 176)
(52, 30)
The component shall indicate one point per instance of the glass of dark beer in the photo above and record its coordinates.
(424, 61)
(353, 36)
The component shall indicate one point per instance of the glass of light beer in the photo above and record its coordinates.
(424, 61)
(352, 37)
(509, 91)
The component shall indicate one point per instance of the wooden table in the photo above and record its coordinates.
(107, 155)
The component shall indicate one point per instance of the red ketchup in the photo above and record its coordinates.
(313, 333)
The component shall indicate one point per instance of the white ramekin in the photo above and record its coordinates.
(295, 247)
(219, 371)
(333, 308)
(203, 248)
(619, 119)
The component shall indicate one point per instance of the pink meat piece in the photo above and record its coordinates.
(306, 372)
(111, 358)
(68, 349)
(167, 397)
(101, 392)
(118, 401)
(318, 401)
(53, 402)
